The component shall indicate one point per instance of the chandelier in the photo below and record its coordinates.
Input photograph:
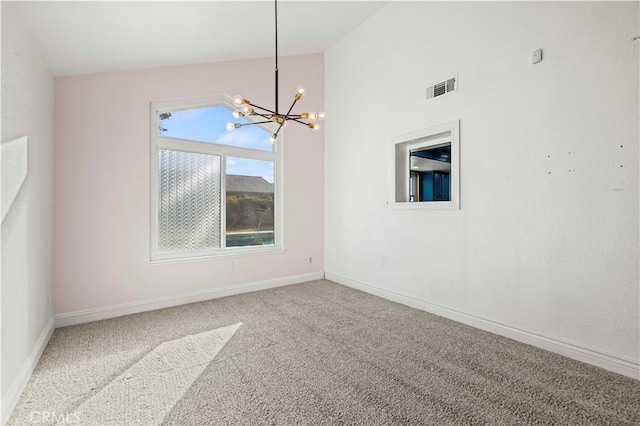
(244, 107)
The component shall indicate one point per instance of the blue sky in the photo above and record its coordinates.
(207, 125)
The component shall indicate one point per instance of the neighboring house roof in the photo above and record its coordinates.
(252, 184)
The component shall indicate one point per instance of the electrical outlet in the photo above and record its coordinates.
(311, 260)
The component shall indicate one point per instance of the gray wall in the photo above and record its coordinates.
(27, 231)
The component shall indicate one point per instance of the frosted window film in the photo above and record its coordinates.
(189, 203)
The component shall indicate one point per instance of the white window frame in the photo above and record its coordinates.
(158, 142)
(401, 147)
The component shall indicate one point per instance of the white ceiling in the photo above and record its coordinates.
(419, 164)
(88, 37)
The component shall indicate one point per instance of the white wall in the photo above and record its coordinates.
(27, 231)
(102, 208)
(546, 241)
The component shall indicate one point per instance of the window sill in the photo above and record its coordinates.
(226, 254)
(425, 205)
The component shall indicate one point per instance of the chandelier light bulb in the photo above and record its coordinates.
(238, 100)
(273, 138)
(246, 109)
(230, 127)
(313, 116)
(237, 114)
(314, 126)
(299, 92)
(321, 115)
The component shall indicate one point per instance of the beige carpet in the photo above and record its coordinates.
(311, 354)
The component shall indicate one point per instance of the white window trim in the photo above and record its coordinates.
(399, 167)
(158, 142)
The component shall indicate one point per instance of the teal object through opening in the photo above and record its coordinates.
(250, 239)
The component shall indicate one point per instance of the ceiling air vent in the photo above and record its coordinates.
(441, 88)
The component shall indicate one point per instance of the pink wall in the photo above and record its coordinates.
(101, 255)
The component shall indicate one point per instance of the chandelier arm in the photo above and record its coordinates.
(291, 107)
(261, 115)
(264, 109)
(275, 135)
(252, 123)
(298, 121)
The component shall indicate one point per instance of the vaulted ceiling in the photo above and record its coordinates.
(88, 37)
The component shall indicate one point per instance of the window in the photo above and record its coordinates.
(249, 196)
(426, 171)
(213, 192)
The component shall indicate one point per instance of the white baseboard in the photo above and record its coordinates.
(614, 363)
(10, 399)
(106, 312)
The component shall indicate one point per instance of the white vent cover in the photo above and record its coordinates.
(441, 88)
